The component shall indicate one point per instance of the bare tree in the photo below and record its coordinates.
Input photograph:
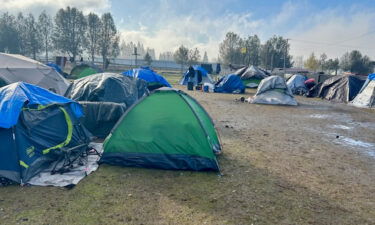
(69, 31)
(109, 39)
(93, 35)
(45, 28)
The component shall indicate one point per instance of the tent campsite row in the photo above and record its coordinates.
(141, 137)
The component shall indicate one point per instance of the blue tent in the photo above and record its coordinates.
(200, 72)
(153, 79)
(13, 98)
(230, 84)
(37, 127)
(56, 67)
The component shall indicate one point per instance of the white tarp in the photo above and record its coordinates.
(366, 98)
(77, 173)
(15, 68)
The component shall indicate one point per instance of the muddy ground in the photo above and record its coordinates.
(310, 164)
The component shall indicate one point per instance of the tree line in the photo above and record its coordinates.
(274, 53)
(68, 32)
(353, 62)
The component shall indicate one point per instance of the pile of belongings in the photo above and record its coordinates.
(341, 88)
(16, 68)
(39, 131)
(154, 80)
(230, 84)
(366, 96)
(166, 130)
(105, 97)
(251, 76)
(273, 90)
(296, 84)
(196, 75)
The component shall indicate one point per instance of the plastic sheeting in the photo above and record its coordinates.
(101, 117)
(251, 72)
(337, 89)
(147, 74)
(110, 95)
(297, 84)
(107, 87)
(16, 68)
(273, 90)
(15, 96)
(366, 97)
(74, 176)
(230, 84)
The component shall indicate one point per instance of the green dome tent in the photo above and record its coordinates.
(167, 130)
(84, 70)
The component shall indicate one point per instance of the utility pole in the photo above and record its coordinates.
(136, 56)
(285, 49)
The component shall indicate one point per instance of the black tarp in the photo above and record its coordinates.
(337, 89)
(111, 94)
(101, 117)
(251, 72)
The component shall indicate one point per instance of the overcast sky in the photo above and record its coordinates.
(330, 26)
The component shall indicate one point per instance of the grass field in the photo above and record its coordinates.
(280, 166)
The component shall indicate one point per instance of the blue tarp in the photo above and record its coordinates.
(230, 84)
(147, 74)
(198, 69)
(56, 67)
(15, 96)
(371, 76)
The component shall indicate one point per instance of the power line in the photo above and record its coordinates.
(331, 44)
(358, 37)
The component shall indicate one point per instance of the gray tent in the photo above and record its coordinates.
(273, 90)
(251, 76)
(297, 84)
(366, 97)
(105, 97)
(15, 68)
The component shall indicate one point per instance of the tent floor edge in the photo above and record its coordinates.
(161, 161)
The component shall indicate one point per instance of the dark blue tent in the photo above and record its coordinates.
(230, 84)
(200, 76)
(37, 127)
(56, 67)
(153, 79)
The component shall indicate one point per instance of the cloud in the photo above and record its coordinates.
(335, 31)
(192, 31)
(51, 6)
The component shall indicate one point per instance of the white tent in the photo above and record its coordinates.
(366, 97)
(15, 68)
(274, 91)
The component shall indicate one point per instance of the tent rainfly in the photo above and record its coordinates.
(167, 130)
(154, 80)
(17, 68)
(37, 128)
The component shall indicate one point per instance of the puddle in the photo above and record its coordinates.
(369, 148)
(319, 116)
(342, 127)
